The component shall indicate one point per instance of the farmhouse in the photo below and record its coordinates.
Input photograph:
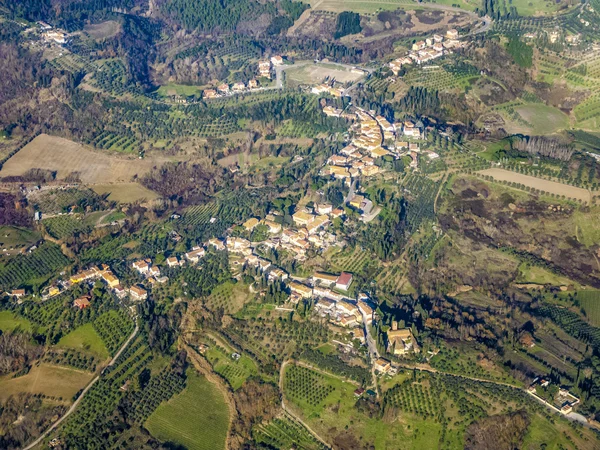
(17, 293)
(344, 281)
(142, 266)
(138, 293)
(382, 365)
(195, 254)
(239, 86)
(277, 60)
(82, 302)
(264, 69)
(209, 93)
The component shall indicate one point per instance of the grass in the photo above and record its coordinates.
(8, 322)
(586, 227)
(179, 89)
(47, 379)
(17, 238)
(235, 372)
(85, 339)
(125, 192)
(371, 6)
(590, 302)
(538, 275)
(196, 419)
(544, 119)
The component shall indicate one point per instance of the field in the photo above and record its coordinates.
(8, 322)
(533, 274)
(235, 372)
(543, 119)
(186, 420)
(125, 192)
(66, 157)
(54, 381)
(551, 187)
(103, 30)
(316, 73)
(179, 89)
(589, 301)
(85, 339)
(285, 432)
(370, 6)
(62, 227)
(231, 297)
(14, 239)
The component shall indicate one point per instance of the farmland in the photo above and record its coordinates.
(125, 192)
(15, 239)
(285, 432)
(234, 371)
(187, 421)
(86, 339)
(62, 227)
(590, 302)
(316, 73)
(67, 157)
(551, 187)
(54, 381)
(8, 322)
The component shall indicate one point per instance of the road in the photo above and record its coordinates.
(85, 391)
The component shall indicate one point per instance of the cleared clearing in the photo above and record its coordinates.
(551, 187)
(47, 379)
(125, 192)
(65, 157)
(103, 30)
(85, 339)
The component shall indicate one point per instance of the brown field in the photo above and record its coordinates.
(103, 30)
(64, 157)
(545, 185)
(125, 192)
(316, 73)
(56, 381)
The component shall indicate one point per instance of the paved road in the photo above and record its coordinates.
(87, 388)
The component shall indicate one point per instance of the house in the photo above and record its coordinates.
(277, 274)
(325, 279)
(366, 309)
(348, 321)
(209, 93)
(263, 264)
(359, 392)
(224, 88)
(274, 227)
(53, 291)
(253, 83)
(326, 293)
(382, 365)
(438, 38)
(302, 218)
(120, 291)
(110, 279)
(216, 243)
(331, 111)
(339, 172)
(277, 60)
(138, 293)
(82, 302)
(301, 289)
(264, 69)
(419, 45)
(452, 33)
(18, 293)
(251, 223)
(142, 266)
(344, 281)
(195, 254)
(239, 86)
(237, 244)
(401, 342)
(357, 201)
(325, 305)
(359, 335)
(337, 213)
(348, 309)
(324, 208)
(173, 261)
(154, 271)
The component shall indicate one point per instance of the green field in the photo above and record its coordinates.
(590, 302)
(179, 89)
(196, 419)
(371, 6)
(537, 118)
(17, 238)
(235, 372)
(85, 339)
(8, 322)
(539, 275)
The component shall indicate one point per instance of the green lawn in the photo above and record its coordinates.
(196, 419)
(86, 339)
(8, 322)
(235, 372)
(543, 119)
(179, 89)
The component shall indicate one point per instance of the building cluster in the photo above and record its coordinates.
(428, 50)
(401, 342)
(328, 88)
(226, 89)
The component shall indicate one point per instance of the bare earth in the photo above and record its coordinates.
(125, 192)
(65, 157)
(549, 186)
